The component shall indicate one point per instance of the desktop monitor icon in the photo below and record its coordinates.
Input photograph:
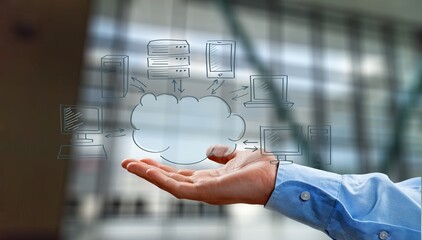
(279, 141)
(81, 121)
(260, 87)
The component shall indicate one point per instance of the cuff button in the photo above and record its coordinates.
(305, 196)
(383, 235)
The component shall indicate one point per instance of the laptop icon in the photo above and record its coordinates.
(260, 95)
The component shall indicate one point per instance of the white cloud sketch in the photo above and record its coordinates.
(182, 130)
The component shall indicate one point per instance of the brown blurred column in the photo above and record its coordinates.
(41, 46)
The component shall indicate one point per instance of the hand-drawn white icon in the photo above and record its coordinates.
(279, 141)
(182, 130)
(81, 121)
(160, 47)
(319, 138)
(168, 73)
(220, 58)
(114, 76)
(169, 59)
(260, 91)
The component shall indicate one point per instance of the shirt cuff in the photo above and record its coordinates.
(305, 194)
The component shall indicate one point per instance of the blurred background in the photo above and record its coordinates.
(352, 66)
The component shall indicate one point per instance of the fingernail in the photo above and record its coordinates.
(129, 166)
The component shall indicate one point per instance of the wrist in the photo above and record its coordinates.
(270, 185)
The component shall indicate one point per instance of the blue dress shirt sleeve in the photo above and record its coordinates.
(368, 206)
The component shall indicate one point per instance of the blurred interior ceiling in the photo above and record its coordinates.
(398, 10)
(402, 10)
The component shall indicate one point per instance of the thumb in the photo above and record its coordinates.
(221, 153)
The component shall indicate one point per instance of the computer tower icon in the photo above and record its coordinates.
(114, 76)
(260, 91)
(319, 138)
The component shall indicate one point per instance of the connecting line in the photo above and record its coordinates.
(282, 113)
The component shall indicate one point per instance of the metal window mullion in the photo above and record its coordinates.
(358, 93)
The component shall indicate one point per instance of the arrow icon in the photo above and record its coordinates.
(213, 83)
(115, 133)
(240, 89)
(174, 85)
(181, 89)
(253, 149)
(246, 142)
(137, 80)
(237, 97)
(214, 91)
(141, 89)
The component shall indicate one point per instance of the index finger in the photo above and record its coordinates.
(221, 153)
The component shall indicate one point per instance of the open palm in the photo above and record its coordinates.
(245, 177)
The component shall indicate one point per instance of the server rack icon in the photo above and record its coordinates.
(114, 76)
(168, 47)
(169, 59)
(169, 73)
(319, 138)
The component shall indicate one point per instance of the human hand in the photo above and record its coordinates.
(245, 177)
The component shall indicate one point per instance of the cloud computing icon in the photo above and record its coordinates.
(181, 130)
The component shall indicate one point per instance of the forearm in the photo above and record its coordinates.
(346, 206)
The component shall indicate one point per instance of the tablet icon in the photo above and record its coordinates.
(220, 58)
